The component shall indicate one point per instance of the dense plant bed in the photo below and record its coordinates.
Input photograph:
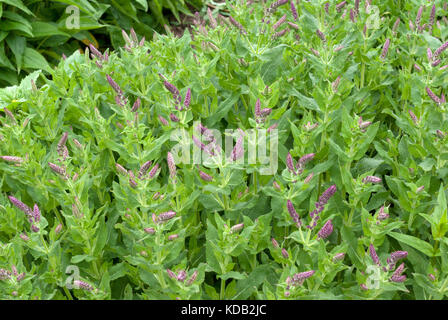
(120, 181)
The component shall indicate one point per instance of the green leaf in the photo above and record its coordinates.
(34, 60)
(18, 4)
(440, 216)
(17, 45)
(414, 242)
(46, 29)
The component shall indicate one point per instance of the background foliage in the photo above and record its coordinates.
(374, 117)
(34, 34)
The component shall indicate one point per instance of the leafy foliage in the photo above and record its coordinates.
(362, 213)
(34, 34)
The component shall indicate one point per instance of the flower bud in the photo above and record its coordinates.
(236, 228)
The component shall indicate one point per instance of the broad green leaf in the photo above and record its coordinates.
(34, 60)
(414, 242)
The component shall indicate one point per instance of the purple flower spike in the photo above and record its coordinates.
(163, 121)
(320, 205)
(274, 243)
(236, 228)
(153, 171)
(174, 91)
(144, 168)
(173, 237)
(382, 215)
(57, 169)
(429, 54)
(357, 7)
(326, 230)
(432, 18)
(171, 274)
(294, 11)
(192, 278)
(257, 108)
(82, 285)
(321, 35)
(397, 255)
(181, 276)
(58, 228)
(352, 15)
(338, 257)
(417, 67)
(136, 105)
(385, 49)
(371, 179)
(174, 118)
(304, 160)
(238, 150)
(165, 216)
(187, 99)
(293, 213)
(275, 5)
(95, 52)
(285, 253)
(204, 176)
(299, 278)
(327, 195)
(36, 213)
(340, 5)
(442, 48)
(121, 169)
(418, 18)
(237, 24)
(395, 27)
(171, 165)
(433, 96)
(114, 85)
(290, 164)
(413, 117)
(12, 159)
(20, 205)
(279, 22)
(374, 256)
(398, 278)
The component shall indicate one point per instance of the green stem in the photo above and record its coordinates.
(159, 262)
(255, 181)
(225, 201)
(223, 289)
(322, 144)
(444, 284)
(350, 217)
(363, 70)
(59, 217)
(67, 292)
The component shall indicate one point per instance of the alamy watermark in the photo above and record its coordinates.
(253, 146)
(73, 20)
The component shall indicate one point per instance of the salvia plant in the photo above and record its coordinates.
(116, 182)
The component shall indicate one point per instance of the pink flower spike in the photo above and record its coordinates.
(326, 230)
(290, 164)
(187, 99)
(385, 49)
(293, 10)
(373, 255)
(371, 179)
(171, 165)
(36, 213)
